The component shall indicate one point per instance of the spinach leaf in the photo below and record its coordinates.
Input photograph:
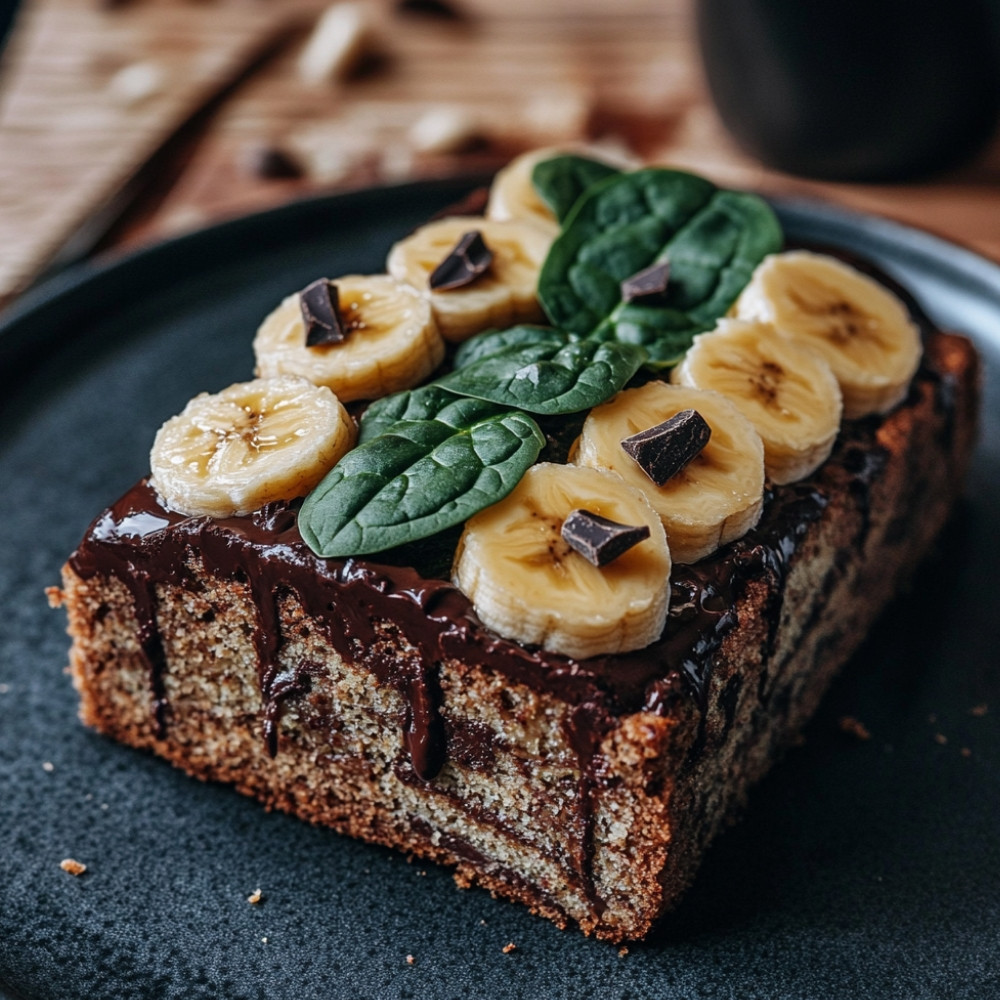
(484, 345)
(559, 373)
(712, 238)
(418, 478)
(561, 180)
(425, 403)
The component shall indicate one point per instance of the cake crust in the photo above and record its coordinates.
(373, 702)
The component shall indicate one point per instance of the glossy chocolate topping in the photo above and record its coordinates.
(143, 544)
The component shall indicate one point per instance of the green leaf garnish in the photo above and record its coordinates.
(418, 478)
(427, 402)
(561, 180)
(713, 239)
(484, 345)
(558, 373)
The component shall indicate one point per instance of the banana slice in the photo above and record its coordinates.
(860, 327)
(785, 390)
(717, 497)
(513, 195)
(392, 341)
(253, 443)
(503, 296)
(528, 584)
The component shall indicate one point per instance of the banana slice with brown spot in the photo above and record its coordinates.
(862, 330)
(232, 452)
(528, 584)
(392, 342)
(785, 390)
(502, 296)
(717, 497)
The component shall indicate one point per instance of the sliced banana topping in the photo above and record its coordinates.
(857, 325)
(785, 390)
(529, 584)
(513, 194)
(502, 296)
(392, 342)
(256, 442)
(717, 497)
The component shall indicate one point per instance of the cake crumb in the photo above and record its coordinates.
(854, 727)
(4, 689)
(965, 752)
(255, 897)
(979, 710)
(622, 951)
(264, 939)
(48, 766)
(940, 739)
(509, 947)
(73, 867)
(410, 960)
(482, 923)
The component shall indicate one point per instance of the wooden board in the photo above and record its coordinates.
(67, 144)
(530, 73)
(525, 72)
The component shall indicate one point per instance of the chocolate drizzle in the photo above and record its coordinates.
(144, 596)
(362, 606)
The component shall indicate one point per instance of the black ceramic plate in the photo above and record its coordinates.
(861, 868)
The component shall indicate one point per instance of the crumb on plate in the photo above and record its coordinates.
(854, 727)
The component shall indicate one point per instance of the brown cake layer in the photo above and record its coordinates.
(365, 697)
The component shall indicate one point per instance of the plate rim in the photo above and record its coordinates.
(72, 284)
(908, 243)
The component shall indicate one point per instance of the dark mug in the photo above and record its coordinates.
(854, 89)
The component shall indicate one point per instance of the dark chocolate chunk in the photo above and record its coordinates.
(648, 285)
(662, 451)
(321, 313)
(272, 163)
(470, 258)
(430, 8)
(598, 539)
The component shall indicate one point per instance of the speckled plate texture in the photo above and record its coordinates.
(861, 868)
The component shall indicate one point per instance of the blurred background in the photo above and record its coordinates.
(125, 121)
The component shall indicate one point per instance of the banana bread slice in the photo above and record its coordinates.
(364, 697)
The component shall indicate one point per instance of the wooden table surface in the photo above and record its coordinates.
(514, 74)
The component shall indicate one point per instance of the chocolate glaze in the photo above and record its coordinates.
(354, 601)
(402, 626)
